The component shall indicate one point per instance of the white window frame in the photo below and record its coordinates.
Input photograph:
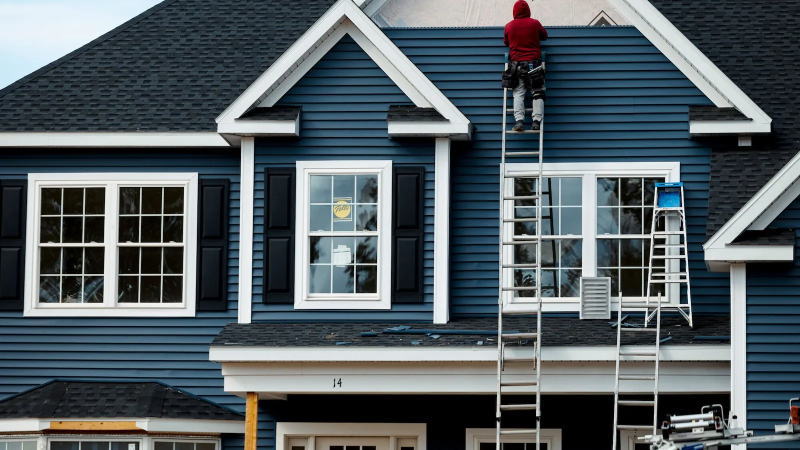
(145, 442)
(382, 298)
(478, 436)
(589, 172)
(396, 432)
(110, 307)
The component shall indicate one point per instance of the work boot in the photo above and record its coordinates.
(519, 126)
(537, 125)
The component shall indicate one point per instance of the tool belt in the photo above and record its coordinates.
(531, 73)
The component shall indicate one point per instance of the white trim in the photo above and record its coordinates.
(756, 214)
(344, 17)
(382, 298)
(695, 65)
(246, 201)
(112, 139)
(589, 172)
(461, 377)
(111, 183)
(738, 274)
(441, 233)
(477, 436)
(712, 127)
(149, 424)
(21, 425)
(427, 129)
(394, 431)
(251, 127)
(458, 354)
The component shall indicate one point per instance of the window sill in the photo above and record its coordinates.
(104, 311)
(350, 304)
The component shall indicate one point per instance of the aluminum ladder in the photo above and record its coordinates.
(649, 356)
(520, 192)
(669, 252)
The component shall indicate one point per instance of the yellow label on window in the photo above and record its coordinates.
(342, 209)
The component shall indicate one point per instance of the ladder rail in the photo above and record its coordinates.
(500, 292)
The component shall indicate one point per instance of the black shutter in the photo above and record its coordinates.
(408, 228)
(279, 235)
(212, 252)
(12, 243)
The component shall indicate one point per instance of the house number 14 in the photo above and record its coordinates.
(337, 383)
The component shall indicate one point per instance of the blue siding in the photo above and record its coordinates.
(773, 335)
(345, 98)
(612, 96)
(172, 350)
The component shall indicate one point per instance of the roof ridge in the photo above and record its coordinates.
(89, 45)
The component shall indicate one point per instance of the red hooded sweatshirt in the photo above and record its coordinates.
(523, 35)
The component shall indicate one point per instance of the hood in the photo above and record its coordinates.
(522, 10)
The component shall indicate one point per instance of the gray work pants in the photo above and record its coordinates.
(519, 104)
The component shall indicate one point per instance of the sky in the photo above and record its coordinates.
(34, 33)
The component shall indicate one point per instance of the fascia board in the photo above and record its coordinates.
(261, 127)
(165, 425)
(751, 253)
(453, 354)
(113, 139)
(720, 89)
(343, 17)
(712, 127)
(422, 129)
(756, 206)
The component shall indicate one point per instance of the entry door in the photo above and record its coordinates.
(352, 443)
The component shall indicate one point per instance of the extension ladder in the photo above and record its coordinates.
(648, 357)
(669, 253)
(520, 277)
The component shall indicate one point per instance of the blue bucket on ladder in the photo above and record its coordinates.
(669, 195)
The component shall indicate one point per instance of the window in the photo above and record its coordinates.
(349, 436)
(344, 229)
(183, 445)
(484, 439)
(18, 444)
(111, 244)
(596, 221)
(93, 445)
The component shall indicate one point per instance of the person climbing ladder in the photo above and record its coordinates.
(523, 36)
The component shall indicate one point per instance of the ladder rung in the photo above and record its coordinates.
(521, 220)
(668, 233)
(512, 336)
(528, 242)
(521, 266)
(636, 402)
(670, 256)
(637, 377)
(669, 246)
(522, 197)
(521, 175)
(512, 432)
(634, 427)
(519, 407)
(518, 383)
(520, 153)
(519, 288)
(523, 132)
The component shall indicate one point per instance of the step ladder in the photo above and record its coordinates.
(647, 358)
(520, 277)
(668, 268)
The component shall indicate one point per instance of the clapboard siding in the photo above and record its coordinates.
(345, 99)
(773, 335)
(612, 96)
(171, 350)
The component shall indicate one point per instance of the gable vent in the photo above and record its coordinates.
(595, 298)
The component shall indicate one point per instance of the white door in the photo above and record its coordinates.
(351, 443)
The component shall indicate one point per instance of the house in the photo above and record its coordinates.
(231, 224)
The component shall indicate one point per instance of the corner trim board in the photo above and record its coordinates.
(441, 233)
(246, 201)
(738, 273)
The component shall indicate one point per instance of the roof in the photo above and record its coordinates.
(766, 237)
(704, 112)
(175, 68)
(751, 41)
(411, 113)
(561, 331)
(280, 112)
(96, 399)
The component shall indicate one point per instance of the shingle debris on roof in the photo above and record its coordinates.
(705, 112)
(780, 236)
(72, 399)
(279, 112)
(411, 113)
(560, 331)
(754, 43)
(175, 67)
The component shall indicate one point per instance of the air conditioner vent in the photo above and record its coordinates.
(595, 298)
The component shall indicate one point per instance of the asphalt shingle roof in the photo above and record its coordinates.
(754, 42)
(766, 237)
(411, 113)
(559, 331)
(73, 399)
(175, 67)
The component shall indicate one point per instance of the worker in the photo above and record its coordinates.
(523, 37)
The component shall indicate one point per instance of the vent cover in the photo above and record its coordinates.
(595, 298)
